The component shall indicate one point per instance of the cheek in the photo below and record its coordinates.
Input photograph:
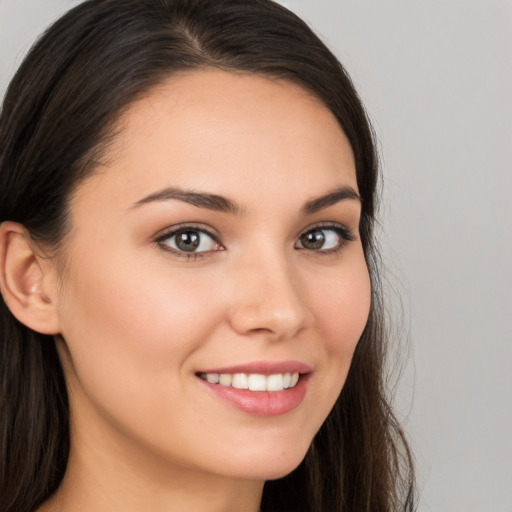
(136, 302)
(342, 306)
(129, 325)
(341, 310)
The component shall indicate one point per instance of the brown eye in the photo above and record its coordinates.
(313, 240)
(189, 240)
(324, 239)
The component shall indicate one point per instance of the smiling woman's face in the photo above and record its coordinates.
(221, 239)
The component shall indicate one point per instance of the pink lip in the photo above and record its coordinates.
(262, 403)
(263, 367)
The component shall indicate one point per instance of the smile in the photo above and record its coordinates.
(253, 381)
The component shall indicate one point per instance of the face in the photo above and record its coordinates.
(217, 249)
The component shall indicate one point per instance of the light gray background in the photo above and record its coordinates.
(436, 77)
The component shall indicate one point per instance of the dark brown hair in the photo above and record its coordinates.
(57, 118)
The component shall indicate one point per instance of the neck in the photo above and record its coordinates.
(76, 496)
(107, 471)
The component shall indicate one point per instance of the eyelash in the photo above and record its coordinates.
(190, 256)
(345, 237)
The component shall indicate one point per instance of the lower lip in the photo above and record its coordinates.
(261, 403)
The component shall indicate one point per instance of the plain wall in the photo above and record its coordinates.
(437, 81)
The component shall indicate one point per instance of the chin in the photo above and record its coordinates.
(271, 466)
(283, 471)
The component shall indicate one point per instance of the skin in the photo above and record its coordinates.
(137, 321)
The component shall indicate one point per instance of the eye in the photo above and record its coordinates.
(326, 239)
(189, 240)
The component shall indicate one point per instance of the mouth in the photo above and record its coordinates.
(253, 381)
(260, 389)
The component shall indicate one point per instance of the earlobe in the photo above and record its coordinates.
(27, 290)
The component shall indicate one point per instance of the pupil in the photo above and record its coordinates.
(313, 240)
(187, 241)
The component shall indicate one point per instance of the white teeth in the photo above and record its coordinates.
(213, 378)
(225, 379)
(257, 382)
(275, 382)
(253, 381)
(240, 381)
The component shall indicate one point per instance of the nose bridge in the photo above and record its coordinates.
(268, 296)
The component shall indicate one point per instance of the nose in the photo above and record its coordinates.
(268, 299)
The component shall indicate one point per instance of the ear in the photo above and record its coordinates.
(27, 281)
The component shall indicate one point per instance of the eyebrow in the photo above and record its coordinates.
(199, 199)
(225, 205)
(337, 195)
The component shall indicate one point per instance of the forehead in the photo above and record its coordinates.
(227, 133)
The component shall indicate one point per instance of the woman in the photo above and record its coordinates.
(191, 313)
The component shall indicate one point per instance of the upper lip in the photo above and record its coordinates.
(263, 367)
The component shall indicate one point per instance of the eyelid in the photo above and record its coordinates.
(171, 231)
(166, 232)
(329, 225)
(346, 234)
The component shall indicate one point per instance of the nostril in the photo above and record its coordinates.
(261, 330)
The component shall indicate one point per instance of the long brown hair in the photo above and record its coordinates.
(58, 117)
